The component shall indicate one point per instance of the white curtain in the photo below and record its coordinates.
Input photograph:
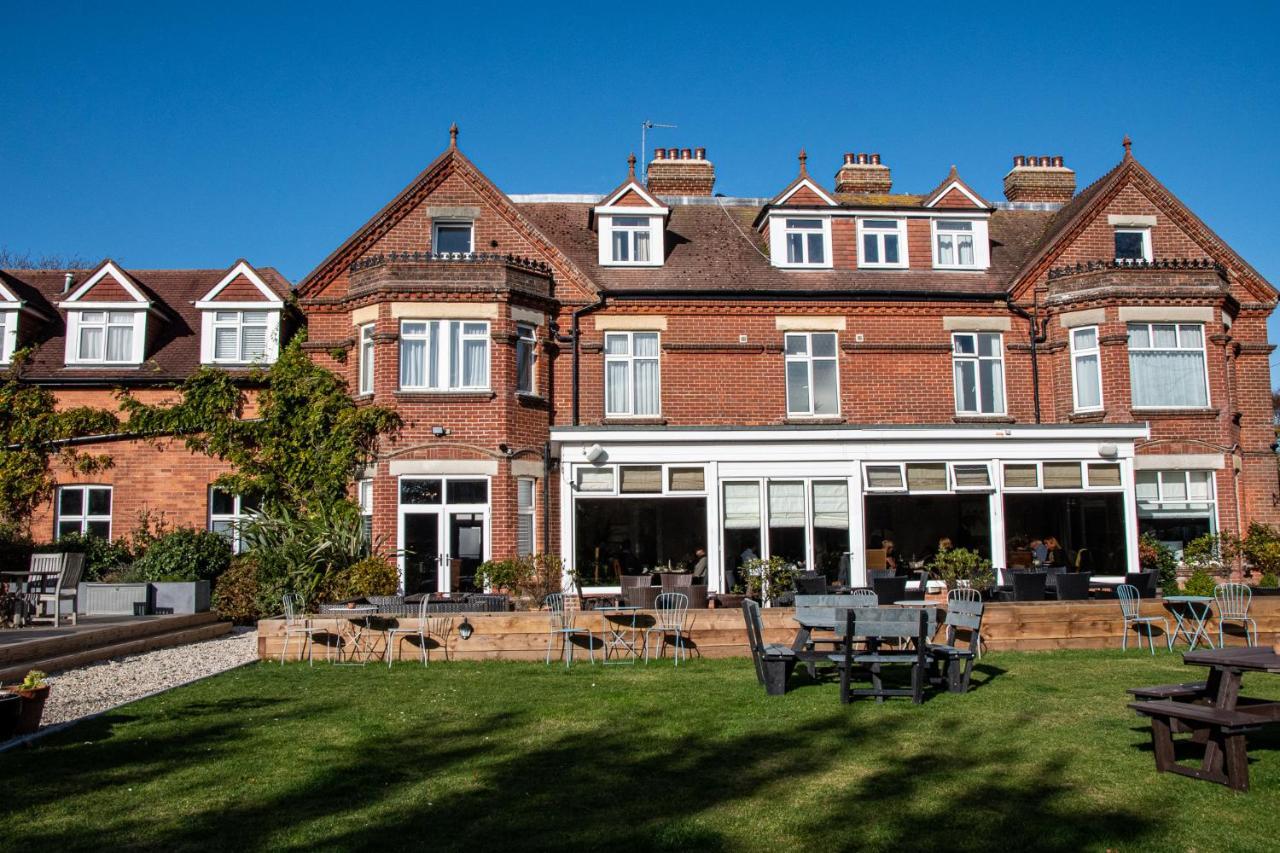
(413, 352)
(786, 504)
(90, 343)
(647, 387)
(642, 246)
(1173, 379)
(831, 505)
(742, 506)
(475, 371)
(616, 388)
(1088, 381)
(120, 342)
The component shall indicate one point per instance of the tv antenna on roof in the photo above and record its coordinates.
(645, 127)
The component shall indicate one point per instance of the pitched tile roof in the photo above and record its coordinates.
(173, 352)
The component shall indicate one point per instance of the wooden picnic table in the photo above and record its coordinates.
(831, 619)
(1213, 712)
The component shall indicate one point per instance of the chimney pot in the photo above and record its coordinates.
(673, 153)
(67, 281)
(681, 172)
(848, 159)
(875, 159)
(699, 153)
(1026, 182)
(1057, 161)
(659, 153)
(686, 154)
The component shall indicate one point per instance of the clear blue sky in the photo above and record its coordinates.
(180, 136)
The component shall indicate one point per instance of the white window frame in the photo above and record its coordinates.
(8, 335)
(364, 498)
(1077, 353)
(900, 489)
(235, 518)
(446, 337)
(808, 358)
(527, 336)
(1172, 505)
(85, 517)
(806, 228)
(437, 224)
(609, 226)
(1203, 349)
(778, 232)
(76, 322)
(899, 228)
(365, 359)
(977, 230)
(630, 359)
(977, 359)
(615, 474)
(212, 323)
(529, 512)
(1145, 232)
(989, 486)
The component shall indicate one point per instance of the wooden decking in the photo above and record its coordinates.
(97, 638)
(721, 633)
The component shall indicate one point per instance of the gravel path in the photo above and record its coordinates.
(99, 686)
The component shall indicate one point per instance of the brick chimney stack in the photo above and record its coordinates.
(863, 173)
(1039, 179)
(681, 171)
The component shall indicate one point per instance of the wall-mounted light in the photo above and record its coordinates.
(465, 630)
(595, 453)
(439, 431)
(1107, 451)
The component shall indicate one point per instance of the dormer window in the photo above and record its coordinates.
(453, 237)
(106, 337)
(800, 242)
(8, 335)
(953, 244)
(1133, 244)
(106, 319)
(240, 320)
(631, 238)
(240, 337)
(882, 242)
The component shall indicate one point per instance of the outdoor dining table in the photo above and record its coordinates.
(354, 631)
(1190, 611)
(1226, 671)
(623, 637)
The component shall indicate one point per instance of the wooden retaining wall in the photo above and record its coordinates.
(720, 633)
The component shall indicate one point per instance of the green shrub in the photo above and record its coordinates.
(235, 593)
(533, 576)
(771, 578)
(1155, 556)
(184, 554)
(1199, 583)
(1210, 554)
(101, 556)
(1260, 548)
(1269, 581)
(961, 564)
(15, 547)
(370, 576)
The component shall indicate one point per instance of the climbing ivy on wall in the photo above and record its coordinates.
(301, 449)
(31, 429)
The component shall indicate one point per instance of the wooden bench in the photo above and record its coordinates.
(1187, 691)
(1222, 732)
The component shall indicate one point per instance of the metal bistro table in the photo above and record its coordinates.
(623, 635)
(1196, 610)
(352, 631)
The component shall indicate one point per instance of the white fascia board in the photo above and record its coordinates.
(817, 190)
(656, 210)
(241, 269)
(606, 205)
(108, 269)
(872, 434)
(956, 185)
(275, 305)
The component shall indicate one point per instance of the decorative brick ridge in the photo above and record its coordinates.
(1138, 415)
(1047, 348)
(445, 396)
(726, 347)
(1086, 417)
(1113, 340)
(854, 347)
(325, 346)
(984, 419)
(1119, 264)
(517, 261)
(1261, 349)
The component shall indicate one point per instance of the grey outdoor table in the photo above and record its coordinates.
(1196, 607)
(622, 635)
(356, 620)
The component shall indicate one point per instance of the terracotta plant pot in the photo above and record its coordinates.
(32, 709)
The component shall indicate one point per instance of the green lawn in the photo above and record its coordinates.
(1041, 754)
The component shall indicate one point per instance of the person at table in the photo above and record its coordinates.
(1053, 553)
(700, 566)
(890, 555)
(1038, 550)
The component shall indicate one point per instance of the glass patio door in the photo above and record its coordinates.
(422, 552)
(466, 549)
(443, 523)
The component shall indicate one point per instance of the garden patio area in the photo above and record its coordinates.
(1042, 753)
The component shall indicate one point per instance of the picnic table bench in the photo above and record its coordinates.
(1213, 712)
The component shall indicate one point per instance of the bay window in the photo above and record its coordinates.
(632, 382)
(444, 355)
(978, 364)
(812, 374)
(1167, 365)
(1086, 369)
(526, 357)
(881, 243)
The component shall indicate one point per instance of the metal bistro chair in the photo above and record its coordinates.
(428, 626)
(1233, 600)
(671, 609)
(859, 596)
(297, 624)
(50, 589)
(1130, 601)
(564, 612)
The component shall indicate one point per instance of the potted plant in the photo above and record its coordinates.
(962, 567)
(769, 580)
(33, 692)
(732, 598)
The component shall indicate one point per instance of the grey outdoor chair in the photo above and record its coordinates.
(670, 612)
(967, 594)
(429, 626)
(958, 660)
(296, 624)
(1233, 600)
(564, 614)
(49, 589)
(1130, 601)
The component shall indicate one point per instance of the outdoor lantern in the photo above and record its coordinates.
(465, 630)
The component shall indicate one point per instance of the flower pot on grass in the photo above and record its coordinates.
(33, 692)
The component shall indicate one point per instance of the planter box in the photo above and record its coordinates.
(180, 596)
(110, 599)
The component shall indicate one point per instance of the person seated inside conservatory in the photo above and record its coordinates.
(700, 566)
(1053, 554)
(890, 555)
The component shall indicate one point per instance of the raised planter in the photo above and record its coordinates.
(110, 599)
(179, 596)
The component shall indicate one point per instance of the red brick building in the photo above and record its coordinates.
(626, 378)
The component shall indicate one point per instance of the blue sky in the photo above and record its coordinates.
(180, 136)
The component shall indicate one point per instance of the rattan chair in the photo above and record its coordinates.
(1233, 600)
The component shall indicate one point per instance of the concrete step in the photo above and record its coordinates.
(23, 644)
(180, 637)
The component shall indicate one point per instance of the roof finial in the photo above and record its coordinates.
(804, 170)
(453, 135)
(1128, 144)
(953, 173)
(631, 166)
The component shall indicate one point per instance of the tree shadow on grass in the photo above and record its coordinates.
(528, 779)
